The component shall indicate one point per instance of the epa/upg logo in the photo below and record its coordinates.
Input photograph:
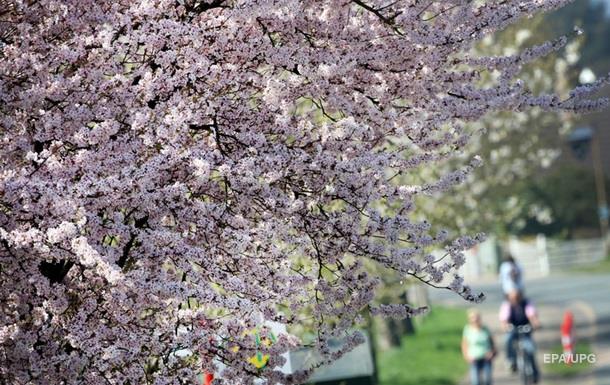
(567, 358)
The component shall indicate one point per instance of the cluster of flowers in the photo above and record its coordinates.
(172, 170)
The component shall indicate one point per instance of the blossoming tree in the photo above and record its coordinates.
(164, 190)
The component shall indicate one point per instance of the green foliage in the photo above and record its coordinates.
(593, 20)
(430, 357)
(558, 204)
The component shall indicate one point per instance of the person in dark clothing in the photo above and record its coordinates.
(514, 312)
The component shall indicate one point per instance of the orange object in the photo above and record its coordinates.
(567, 336)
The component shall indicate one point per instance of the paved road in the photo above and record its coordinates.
(556, 290)
(588, 296)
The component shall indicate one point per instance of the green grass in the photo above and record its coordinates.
(563, 370)
(430, 357)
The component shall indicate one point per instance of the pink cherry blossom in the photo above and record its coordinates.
(174, 173)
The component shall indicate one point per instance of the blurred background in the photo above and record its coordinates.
(542, 197)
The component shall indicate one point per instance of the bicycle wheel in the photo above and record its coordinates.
(521, 366)
(527, 371)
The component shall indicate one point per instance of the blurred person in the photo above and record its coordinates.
(511, 275)
(478, 349)
(518, 311)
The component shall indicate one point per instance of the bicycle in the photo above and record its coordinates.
(525, 354)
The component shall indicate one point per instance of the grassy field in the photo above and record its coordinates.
(430, 357)
(563, 370)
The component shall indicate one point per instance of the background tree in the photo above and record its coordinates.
(568, 208)
(522, 149)
(557, 206)
(515, 146)
(161, 197)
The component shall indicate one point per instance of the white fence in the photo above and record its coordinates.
(569, 254)
(539, 256)
(532, 255)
